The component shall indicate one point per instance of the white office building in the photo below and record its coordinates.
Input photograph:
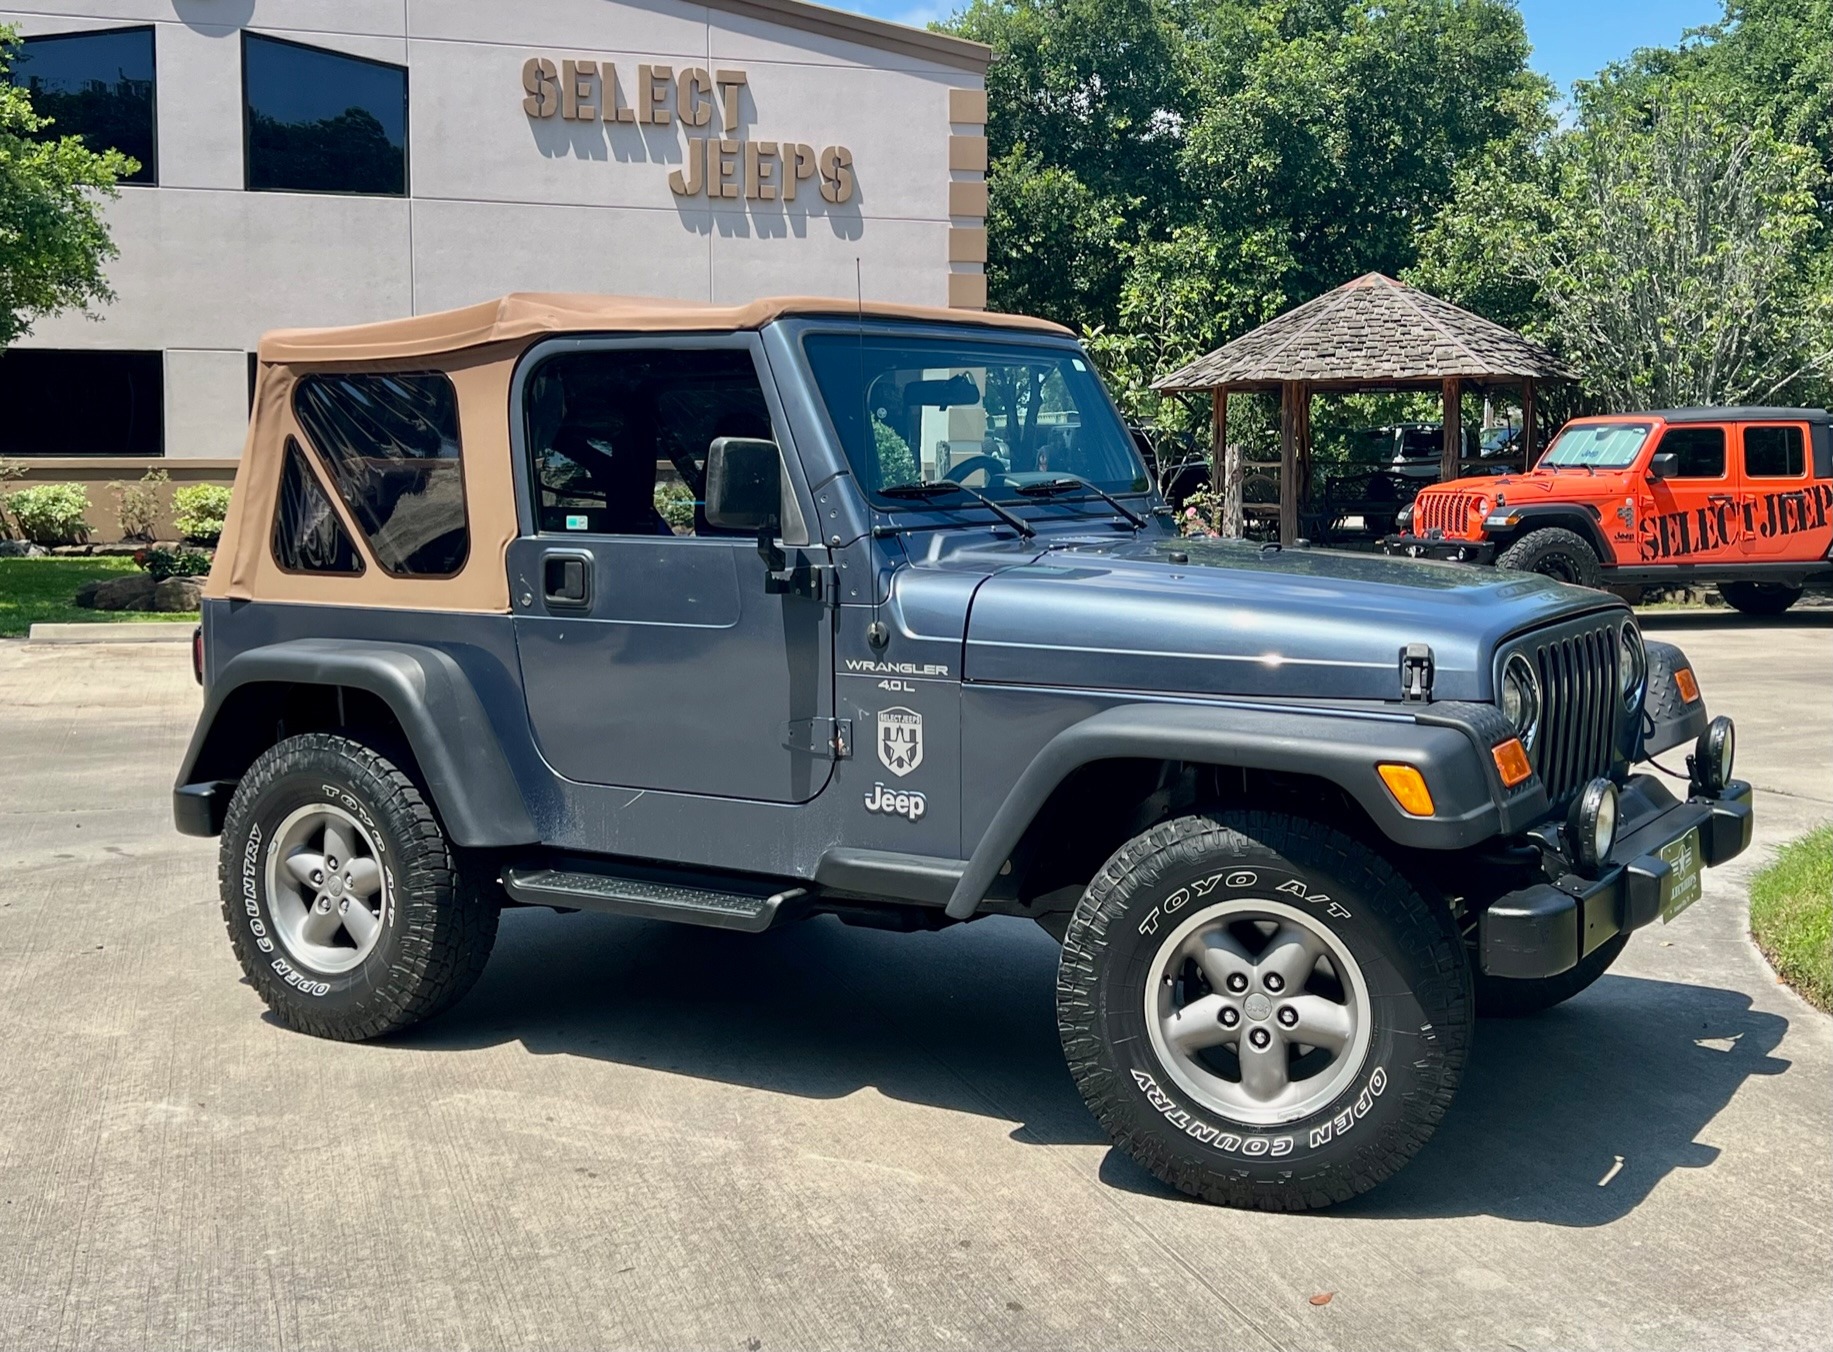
(320, 162)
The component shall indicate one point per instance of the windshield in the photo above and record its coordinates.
(972, 412)
(1612, 445)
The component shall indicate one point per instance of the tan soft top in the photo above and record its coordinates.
(527, 315)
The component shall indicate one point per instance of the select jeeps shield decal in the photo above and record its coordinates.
(900, 740)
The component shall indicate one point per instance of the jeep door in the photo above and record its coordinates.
(1785, 513)
(1690, 516)
(652, 655)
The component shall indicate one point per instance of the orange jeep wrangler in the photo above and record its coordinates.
(1742, 497)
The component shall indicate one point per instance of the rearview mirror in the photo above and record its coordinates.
(744, 484)
(1664, 465)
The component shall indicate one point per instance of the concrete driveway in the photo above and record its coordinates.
(641, 1136)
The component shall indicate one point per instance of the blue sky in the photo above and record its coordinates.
(1572, 38)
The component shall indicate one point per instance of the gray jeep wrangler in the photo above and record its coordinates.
(739, 616)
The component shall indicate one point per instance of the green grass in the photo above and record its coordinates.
(39, 591)
(1791, 915)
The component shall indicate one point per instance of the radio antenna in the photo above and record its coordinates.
(876, 633)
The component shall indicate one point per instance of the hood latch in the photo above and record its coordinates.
(1416, 672)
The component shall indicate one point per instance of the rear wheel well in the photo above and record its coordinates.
(1100, 806)
(258, 715)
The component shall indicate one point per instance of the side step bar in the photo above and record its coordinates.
(750, 912)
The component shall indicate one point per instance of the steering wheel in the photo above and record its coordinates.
(990, 463)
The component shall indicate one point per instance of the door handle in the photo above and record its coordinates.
(566, 579)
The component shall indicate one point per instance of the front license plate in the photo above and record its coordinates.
(1682, 856)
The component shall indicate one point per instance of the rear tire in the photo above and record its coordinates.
(351, 913)
(1553, 551)
(1759, 598)
(1256, 931)
(1500, 997)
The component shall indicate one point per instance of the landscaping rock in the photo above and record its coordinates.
(20, 549)
(178, 594)
(85, 594)
(134, 592)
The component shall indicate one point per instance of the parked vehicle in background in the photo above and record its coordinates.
(1294, 816)
(1740, 497)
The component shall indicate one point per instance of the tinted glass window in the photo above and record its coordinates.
(81, 403)
(1774, 453)
(1700, 450)
(391, 444)
(619, 438)
(319, 121)
(308, 537)
(98, 86)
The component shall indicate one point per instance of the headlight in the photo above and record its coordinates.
(1632, 670)
(1521, 699)
(1592, 829)
(1403, 520)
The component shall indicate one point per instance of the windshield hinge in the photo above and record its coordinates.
(1416, 672)
(828, 738)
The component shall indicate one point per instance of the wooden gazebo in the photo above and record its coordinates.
(1370, 335)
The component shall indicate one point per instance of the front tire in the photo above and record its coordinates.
(1759, 598)
(348, 908)
(1555, 552)
(1261, 1011)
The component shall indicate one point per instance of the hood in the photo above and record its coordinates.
(1235, 618)
(1539, 485)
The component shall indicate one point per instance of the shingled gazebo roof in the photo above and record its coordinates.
(1371, 331)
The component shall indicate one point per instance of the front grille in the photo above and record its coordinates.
(1578, 684)
(1440, 511)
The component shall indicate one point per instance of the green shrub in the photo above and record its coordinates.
(51, 514)
(675, 504)
(199, 510)
(896, 463)
(163, 563)
(138, 505)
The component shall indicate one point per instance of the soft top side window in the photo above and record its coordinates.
(1774, 453)
(308, 537)
(1699, 450)
(391, 443)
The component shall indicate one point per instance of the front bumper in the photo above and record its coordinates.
(1439, 547)
(1547, 928)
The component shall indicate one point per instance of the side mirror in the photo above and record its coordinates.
(1664, 465)
(744, 485)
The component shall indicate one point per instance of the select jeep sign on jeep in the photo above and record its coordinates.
(928, 650)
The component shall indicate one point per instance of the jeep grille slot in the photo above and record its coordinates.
(1446, 512)
(1578, 680)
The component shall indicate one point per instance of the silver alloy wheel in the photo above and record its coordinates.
(327, 892)
(1257, 1011)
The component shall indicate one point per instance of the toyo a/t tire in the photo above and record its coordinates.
(351, 914)
(1198, 961)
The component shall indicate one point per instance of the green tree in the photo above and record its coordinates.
(53, 240)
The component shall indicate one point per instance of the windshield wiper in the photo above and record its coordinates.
(930, 488)
(1070, 483)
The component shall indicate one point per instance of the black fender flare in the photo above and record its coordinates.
(1670, 720)
(1572, 516)
(1448, 743)
(456, 748)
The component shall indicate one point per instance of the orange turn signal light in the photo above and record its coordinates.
(1512, 762)
(1689, 688)
(1408, 787)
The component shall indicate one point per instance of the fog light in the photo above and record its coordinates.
(1710, 764)
(1592, 829)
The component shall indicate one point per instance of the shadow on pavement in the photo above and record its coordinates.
(1731, 621)
(1570, 1118)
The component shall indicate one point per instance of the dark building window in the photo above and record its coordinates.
(391, 444)
(98, 86)
(308, 537)
(81, 403)
(318, 121)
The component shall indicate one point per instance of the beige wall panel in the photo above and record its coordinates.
(465, 252)
(968, 153)
(967, 290)
(566, 27)
(967, 245)
(379, 18)
(206, 403)
(968, 106)
(200, 107)
(217, 269)
(741, 37)
(967, 198)
(899, 262)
